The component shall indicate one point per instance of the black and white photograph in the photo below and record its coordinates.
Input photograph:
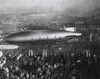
(49, 39)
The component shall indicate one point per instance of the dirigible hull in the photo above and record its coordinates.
(32, 36)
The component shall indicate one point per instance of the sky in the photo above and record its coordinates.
(55, 5)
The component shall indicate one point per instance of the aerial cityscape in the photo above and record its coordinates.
(49, 39)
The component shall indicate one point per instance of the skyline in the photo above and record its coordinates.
(43, 12)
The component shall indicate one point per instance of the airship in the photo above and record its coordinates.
(38, 35)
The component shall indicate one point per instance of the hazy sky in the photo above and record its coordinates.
(57, 5)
